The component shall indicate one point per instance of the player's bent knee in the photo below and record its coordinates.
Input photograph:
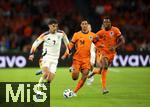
(75, 78)
(75, 75)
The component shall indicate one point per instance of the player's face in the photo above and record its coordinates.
(84, 25)
(53, 27)
(107, 24)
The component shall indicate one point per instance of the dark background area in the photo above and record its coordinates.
(22, 21)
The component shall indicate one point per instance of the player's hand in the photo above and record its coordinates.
(63, 57)
(31, 57)
(66, 55)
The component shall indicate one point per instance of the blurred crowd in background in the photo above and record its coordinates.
(22, 21)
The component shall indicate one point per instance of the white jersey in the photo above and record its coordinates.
(93, 54)
(52, 44)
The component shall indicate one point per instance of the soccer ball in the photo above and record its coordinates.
(68, 93)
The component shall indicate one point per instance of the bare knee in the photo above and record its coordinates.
(75, 75)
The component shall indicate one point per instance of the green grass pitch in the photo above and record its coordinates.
(129, 87)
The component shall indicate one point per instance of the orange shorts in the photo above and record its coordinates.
(108, 55)
(82, 64)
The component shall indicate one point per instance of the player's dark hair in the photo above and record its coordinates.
(106, 18)
(52, 21)
(84, 19)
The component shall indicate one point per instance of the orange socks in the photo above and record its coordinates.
(79, 85)
(103, 78)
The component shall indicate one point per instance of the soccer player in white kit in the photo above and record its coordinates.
(51, 50)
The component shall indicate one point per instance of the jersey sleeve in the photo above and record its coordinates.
(73, 41)
(100, 33)
(74, 38)
(36, 43)
(65, 39)
(117, 32)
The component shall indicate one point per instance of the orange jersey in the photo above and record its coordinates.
(82, 42)
(107, 39)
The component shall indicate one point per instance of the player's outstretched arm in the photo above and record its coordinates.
(120, 42)
(66, 41)
(36, 43)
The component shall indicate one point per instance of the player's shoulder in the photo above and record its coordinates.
(60, 31)
(100, 31)
(45, 33)
(77, 33)
(92, 33)
(115, 28)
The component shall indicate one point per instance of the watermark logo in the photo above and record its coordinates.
(24, 94)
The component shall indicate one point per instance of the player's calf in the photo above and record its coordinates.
(105, 63)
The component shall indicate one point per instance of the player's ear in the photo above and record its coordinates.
(80, 24)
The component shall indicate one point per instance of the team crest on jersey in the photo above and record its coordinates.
(111, 33)
(90, 37)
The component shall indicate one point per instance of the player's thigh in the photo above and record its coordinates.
(45, 67)
(99, 59)
(44, 64)
(53, 66)
(48, 66)
(86, 66)
(110, 59)
(92, 57)
(52, 69)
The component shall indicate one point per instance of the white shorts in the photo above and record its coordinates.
(49, 62)
(93, 54)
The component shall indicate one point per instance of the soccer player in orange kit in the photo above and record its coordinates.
(82, 41)
(110, 38)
